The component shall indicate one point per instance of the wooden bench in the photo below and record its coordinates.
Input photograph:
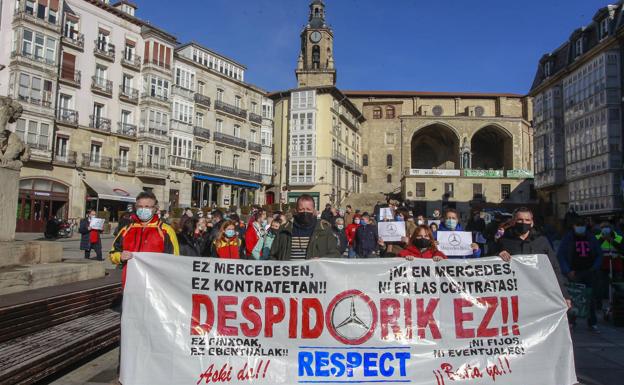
(44, 331)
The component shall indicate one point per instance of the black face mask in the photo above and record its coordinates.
(305, 219)
(522, 228)
(422, 243)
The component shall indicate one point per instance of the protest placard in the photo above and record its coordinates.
(385, 213)
(455, 243)
(391, 231)
(205, 321)
(96, 223)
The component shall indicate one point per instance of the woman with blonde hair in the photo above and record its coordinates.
(228, 244)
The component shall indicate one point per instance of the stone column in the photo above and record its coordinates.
(9, 191)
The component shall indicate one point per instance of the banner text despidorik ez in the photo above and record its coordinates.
(189, 321)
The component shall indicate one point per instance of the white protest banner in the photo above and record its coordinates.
(455, 243)
(193, 321)
(391, 231)
(385, 213)
(96, 223)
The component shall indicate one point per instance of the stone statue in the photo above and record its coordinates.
(13, 151)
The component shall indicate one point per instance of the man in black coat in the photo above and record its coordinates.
(366, 241)
(522, 238)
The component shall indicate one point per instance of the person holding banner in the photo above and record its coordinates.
(146, 233)
(521, 238)
(422, 245)
(580, 257)
(305, 237)
(451, 223)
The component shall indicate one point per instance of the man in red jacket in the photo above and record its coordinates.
(146, 233)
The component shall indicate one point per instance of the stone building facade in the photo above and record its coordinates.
(577, 95)
(462, 150)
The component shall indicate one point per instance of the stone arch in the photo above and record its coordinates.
(492, 148)
(435, 145)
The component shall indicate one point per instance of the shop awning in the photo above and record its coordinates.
(114, 191)
(226, 181)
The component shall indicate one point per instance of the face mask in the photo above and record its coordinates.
(420, 222)
(144, 214)
(606, 231)
(357, 221)
(230, 233)
(580, 230)
(522, 228)
(340, 227)
(398, 218)
(451, 224)
(273, 231)
(305, 219)
(422, 243)
(364, 222)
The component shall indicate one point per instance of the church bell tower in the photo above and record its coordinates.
(315, 66)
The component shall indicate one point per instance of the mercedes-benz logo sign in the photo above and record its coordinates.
(391, 228)
(352, 317)
(454, 240)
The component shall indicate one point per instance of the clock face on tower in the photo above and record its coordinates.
(315, 37)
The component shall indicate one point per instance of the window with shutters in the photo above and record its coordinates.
(449, 190)
(477, 191)
(70, 29)
(420, 190)
(68, 66)
(377, 113)
(389, 160)
(365, 160)
(389, 178)
(505, 191)
(390, 112)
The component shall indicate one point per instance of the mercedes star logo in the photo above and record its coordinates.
(454, 240)
(352, 316)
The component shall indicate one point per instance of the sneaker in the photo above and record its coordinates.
(594, 329)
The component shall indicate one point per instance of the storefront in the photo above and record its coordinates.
(210, 191)
(40, 200)
(111, 196)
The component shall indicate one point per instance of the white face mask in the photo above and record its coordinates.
(145, 213)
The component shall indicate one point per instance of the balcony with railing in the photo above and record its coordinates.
(44, 100)
(201, 132)
(156, 168)
(126, 129)
(202, 100)
(338, 157)
(350, 164)
(215, 169)
(102, 86)
(68, 158)
(104, 50)
(267, 149)
(99, 123)
(125, 166)
(131, 61)
(230, 140)
(179, 125)
(255, 118)
(74, 40)
(97, 162)
(70, 77)
(358, 169)
(230, 109)
(67, 116)
(161, 66)
(40, 152)
(155, 133)
(22, 15)
(128, 94)
(155, 96)
(32, 59)
(179, 162)
(255, 147)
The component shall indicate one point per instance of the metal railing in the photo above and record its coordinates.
(215, 169)
(129, 93)
(150, 167)
(230, 139)
(201, 132)
(256, 147)
(153, 133)
(100, 123)
(22, 14)
(33, 57)
(202, 100)
(341, 158)
(67, 116)
(101, 85)
(230, 109)
(255, 118)
(72, 77)
(44, 102)
(77, 41)
(181, 91)
(126, 129)
(70, 158)
(101, 162)
(133, 61)
(178, 161)
(155, 96)
(125, 165)
(104, 50)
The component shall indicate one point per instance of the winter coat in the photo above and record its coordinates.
(192, 245)
(85, 234)
(567, 250)
(322, 242)
(366, 239)
(254, 240)
(227, 248)
(341, 238)
(534, 244)
(350, 233)
(413, 251)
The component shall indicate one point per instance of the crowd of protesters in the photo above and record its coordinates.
(588, 253)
